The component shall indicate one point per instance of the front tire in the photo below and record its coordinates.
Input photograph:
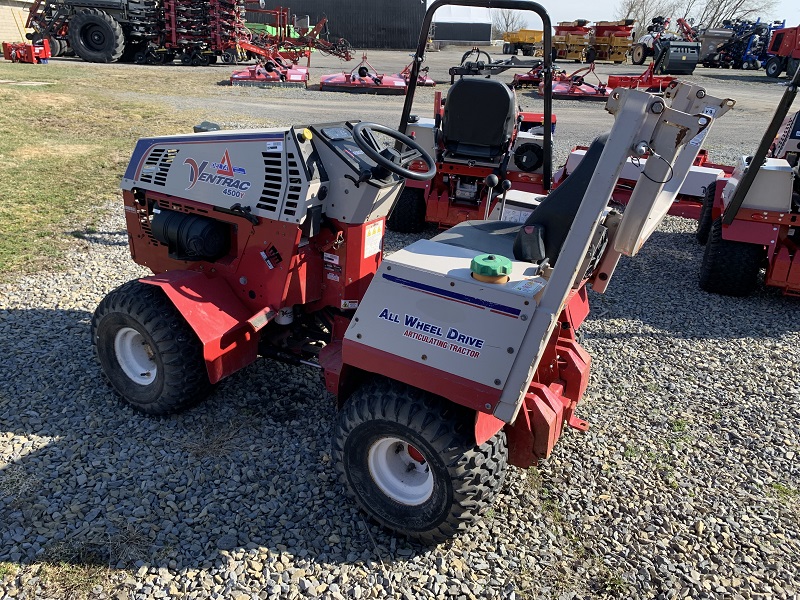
(638, 54)
(96, 36)
(410, 461)
(147, 350)
(774, 67)
(408, 214)
(730, 268)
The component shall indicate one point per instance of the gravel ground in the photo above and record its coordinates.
(686, 485)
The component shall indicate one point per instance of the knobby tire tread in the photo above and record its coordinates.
(477, 472)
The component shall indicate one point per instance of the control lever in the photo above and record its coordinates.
(491, 182)
(365, 175)
(506, 185)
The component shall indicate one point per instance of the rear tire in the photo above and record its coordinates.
(147, 350)
(410, 461)
(96, 36)
(638, 54)
(774, 67)
(408, 215)
(704, 222)
(791, 67)
(730, 268)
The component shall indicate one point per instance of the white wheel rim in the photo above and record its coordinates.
(398, 474)
(135, 356)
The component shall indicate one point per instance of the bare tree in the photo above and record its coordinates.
(643, 11)
(706, 13)
(714, 12)
(505, 20)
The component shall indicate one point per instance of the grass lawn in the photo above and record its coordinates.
(63, 149)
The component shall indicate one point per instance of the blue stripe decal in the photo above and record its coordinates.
(453, 295)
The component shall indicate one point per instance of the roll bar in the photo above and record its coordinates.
(419, 56)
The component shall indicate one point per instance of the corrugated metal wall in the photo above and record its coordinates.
(363, 23)
(463, 32)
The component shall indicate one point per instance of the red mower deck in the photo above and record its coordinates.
(364, 79)
(575, 87)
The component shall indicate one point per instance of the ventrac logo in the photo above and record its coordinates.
(222, 173)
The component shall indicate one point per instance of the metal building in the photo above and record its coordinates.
(464, 33)
(364, 23)
(463, 25)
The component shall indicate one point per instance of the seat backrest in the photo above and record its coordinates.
(551, 220)
(479, 117)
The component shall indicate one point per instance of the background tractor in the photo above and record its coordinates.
(483, 144)
(749, 219)
(784, 51)
(450, 359)
(674, 53)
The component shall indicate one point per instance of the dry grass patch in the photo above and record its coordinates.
(63, 150)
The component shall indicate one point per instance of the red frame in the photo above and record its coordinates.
(770, 229)
(27, 53)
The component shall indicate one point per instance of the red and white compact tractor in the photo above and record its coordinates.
(450, 359)
(749, 220)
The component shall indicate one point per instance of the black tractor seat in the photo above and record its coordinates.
(489, 237)
(478, 122)
(544, 232)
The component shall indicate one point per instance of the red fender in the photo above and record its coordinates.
(224, 325)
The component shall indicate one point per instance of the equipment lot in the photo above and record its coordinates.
(686, 484)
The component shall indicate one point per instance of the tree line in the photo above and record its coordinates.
(703, 13)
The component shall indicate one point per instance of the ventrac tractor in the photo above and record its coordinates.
(749, 220)
(451, 358)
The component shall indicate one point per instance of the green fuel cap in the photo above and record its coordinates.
(490, 265)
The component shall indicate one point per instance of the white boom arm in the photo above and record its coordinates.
(670, 130)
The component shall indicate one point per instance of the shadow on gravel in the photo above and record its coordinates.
(659, 287)
(85, 480)
(102, 238)
(726, 76)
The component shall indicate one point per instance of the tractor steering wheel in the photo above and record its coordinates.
(390, 159)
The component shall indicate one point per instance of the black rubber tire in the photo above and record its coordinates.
(774, 67)
(791, 66)
(730, 268)
(506, 48)
(704, 221)
(96, 36)
(186, 59)
(56, 47)
(638, 54)
(132, 48)
(408, 214)
(181, 380)
(466, 477)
